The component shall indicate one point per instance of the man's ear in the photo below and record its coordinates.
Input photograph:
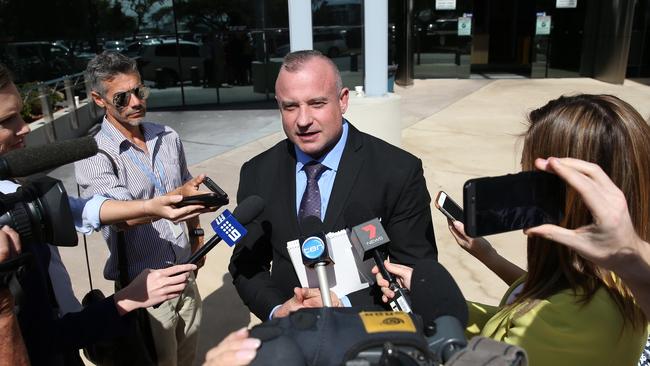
(343, 99)
(98, 99)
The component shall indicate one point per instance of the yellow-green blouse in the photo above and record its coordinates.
(558, 331)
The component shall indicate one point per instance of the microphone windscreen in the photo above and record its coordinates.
(248, 209)
(434, 293)
(311, 225)
(30, 160)
(357, 213)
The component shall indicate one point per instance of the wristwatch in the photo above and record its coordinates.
(196, 232)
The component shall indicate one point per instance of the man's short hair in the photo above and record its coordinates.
(294, 61)
(107, 65)
(5, 76)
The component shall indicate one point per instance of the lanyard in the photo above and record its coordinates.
(158, 183)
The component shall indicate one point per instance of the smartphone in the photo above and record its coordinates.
(448, 207)
(214, 187)
(511, 202)
(208, 200)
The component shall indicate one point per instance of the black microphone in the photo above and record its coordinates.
(30, 160)
(370, 234)
(243, 214)
(438, 300)
(313, 248)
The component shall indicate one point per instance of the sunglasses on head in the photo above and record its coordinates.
(121, 99)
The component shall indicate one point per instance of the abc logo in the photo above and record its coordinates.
(313, 247)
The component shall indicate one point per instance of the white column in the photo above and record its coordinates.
(375, 29)
(300, 36)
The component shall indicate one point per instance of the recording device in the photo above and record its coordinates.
(511, 202)
(208, 200)
(313, 249)
(354, 336)
(438, 300)
(230, 226)
(448, 207)
(214, 187)
(31, 160)
(370, 234)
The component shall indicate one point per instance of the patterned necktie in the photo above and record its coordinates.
(310, 203)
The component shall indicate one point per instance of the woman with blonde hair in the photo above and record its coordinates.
(566, 310)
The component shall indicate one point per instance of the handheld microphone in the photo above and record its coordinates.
(230, 226)
(30, 160)
(313, 248)
(370, 234)
(438, 300)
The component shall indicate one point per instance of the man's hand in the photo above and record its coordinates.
(304, 298)
(153, 287)
(10, 246)
(235, 350)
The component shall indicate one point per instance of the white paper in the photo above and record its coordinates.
(445, 4)
(348, 273)
(464, 26)
(543, 25)
(566, 4)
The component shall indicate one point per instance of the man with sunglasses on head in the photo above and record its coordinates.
(141, 160)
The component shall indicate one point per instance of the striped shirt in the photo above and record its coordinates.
(140, 175)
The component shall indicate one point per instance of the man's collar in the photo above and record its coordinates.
(150, 131)
(332, 158)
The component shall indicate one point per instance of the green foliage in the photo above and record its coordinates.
(32, 108)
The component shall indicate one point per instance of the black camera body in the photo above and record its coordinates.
(40, 212)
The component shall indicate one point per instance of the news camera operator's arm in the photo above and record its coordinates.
(482, 250)
(610, 241)
(12, 347)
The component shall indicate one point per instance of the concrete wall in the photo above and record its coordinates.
(63, 126)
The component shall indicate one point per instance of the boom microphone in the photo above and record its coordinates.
(438, 300)
(230, 226)
(30, 160)
(313, 247)
(369, 232)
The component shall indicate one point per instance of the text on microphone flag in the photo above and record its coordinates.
(228, 228)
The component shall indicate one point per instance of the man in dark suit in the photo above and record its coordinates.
(324, 159)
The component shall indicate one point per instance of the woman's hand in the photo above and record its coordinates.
(480, 248)
(402, 275)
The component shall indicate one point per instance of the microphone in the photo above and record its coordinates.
(30, 160)
(313, 248)
(370, 234)
(230, 226)
(438, 300)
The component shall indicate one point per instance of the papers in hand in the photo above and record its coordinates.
(348, 273)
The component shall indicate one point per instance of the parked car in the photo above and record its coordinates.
(39, 61)
(118, 46)
(164, 56)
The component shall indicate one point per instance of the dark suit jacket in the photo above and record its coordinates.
(386, 179)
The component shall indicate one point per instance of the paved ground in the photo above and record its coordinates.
(460, 129)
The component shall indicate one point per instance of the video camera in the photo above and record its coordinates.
(353, 337)
(39, 210)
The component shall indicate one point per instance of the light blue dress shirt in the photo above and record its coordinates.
(326, 180)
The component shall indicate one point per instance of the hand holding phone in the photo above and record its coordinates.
(208, 200)
(448, 207)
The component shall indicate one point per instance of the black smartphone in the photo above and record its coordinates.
(208, 200)
(511, 202)
(214, 187)
(448, 207)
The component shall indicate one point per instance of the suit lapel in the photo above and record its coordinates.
(346, 176)
(287, 179)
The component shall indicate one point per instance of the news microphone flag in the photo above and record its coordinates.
(370, 234)
(228, 228)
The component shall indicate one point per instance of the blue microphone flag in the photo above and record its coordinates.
(228, 228)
